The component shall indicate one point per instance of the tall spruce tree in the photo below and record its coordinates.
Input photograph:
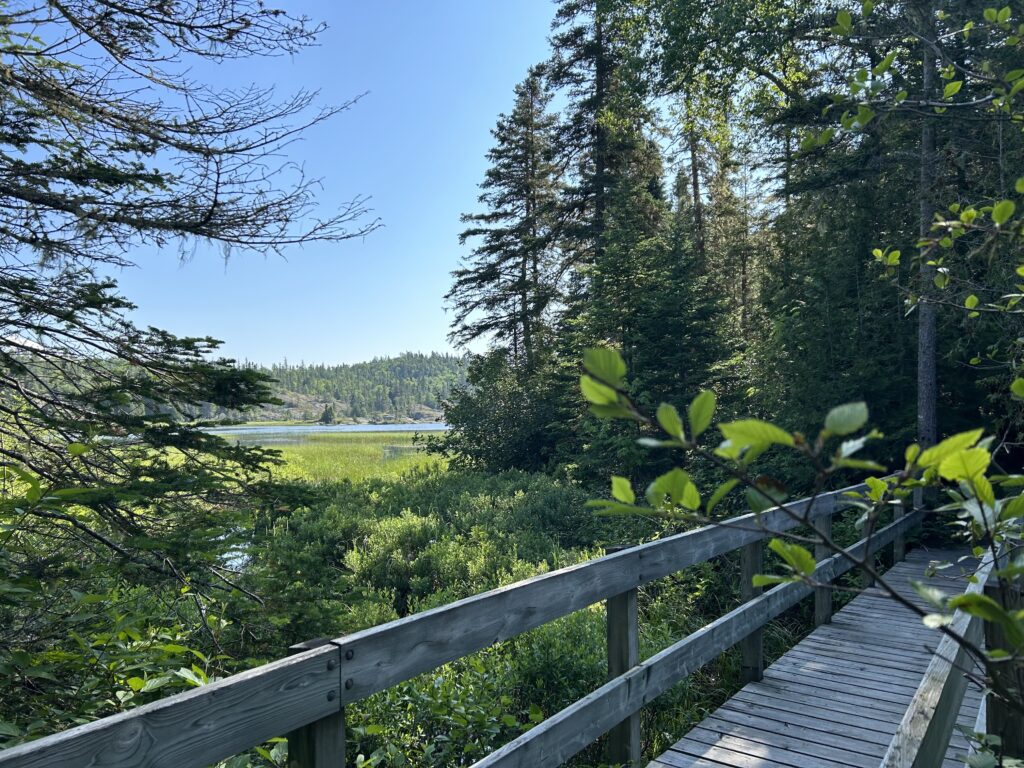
(510, 279)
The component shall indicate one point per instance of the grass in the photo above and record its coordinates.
(326, 458)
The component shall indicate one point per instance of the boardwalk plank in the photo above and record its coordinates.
(838, 696)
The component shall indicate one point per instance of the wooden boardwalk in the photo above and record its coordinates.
(837, 697)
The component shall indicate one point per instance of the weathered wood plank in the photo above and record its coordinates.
(795, 751)
(775, 698)
(924, 732)
(752, 646)
(823, 594)
(825, 718)
(564, 734)
(201, 726)
(623, 635)
(379, 657)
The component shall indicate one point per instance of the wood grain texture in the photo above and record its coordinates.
(199, 727)
(752, 646)
(839, 696)
(623, 634)
(924, 732)
(382, 656)
(561, 736)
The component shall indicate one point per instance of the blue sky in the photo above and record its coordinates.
(438, 73)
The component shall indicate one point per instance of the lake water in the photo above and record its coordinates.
(284, 433)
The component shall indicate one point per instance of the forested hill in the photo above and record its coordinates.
(411, 386)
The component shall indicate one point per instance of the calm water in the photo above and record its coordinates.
(273, 433)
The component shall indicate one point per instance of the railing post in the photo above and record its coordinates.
(752, 646)
(623, 632)
(1002, 720)
(321, 744)
(899, 543)
(823, 594)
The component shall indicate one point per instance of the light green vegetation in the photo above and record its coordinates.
(324, 458)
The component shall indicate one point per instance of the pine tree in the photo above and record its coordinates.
(509, 281)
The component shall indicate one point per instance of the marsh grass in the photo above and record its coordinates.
(327, 458)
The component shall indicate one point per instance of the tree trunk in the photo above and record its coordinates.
(927, 318)
(698, 205)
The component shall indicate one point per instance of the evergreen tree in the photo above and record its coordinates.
(509, 282)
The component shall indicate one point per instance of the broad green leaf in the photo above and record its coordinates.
(971, 301)
(965, 465)
(952, 89)
(77, 449)
(668, 418)
(597, 393)
(1012, 508)
(622, 490)
(844, 20)
(864, 464)
(795, 556)
(1002, 211)
(846, 419)
(700, 412)
(932, 457)
(933, 595)
(720, 493)
(677, 486)
(876, 488)
(980, 605)
(767, 580)
(767, 494)
(883, 66)
(691, 497)
(605, 364)
(1017, 388)
(754, 432)
(614, 411)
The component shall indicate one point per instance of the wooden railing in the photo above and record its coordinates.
(304, 696)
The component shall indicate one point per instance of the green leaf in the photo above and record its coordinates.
(952, 89)
(1004, 14)
(971, 301)
(745, 432)
(766, 494)
(597, 393)
(980, 605)
(795, 556)
(700, 412)
(767, 580)
(846, 419)
(677, 486)
(668, 418)
(606, 365)
(990, 14)
(844, 20)
(1019, 186)
(883, 66)
(1002, 211)
(876, 488)
(720, 493)
(77, 449)
(622, 490)
(932, 457)
(1017, 388)
(1012, 508)
(933, 595)
(965, 465)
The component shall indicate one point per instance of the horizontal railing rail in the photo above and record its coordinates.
(924, 733)
(304, 695)
(558, 738)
